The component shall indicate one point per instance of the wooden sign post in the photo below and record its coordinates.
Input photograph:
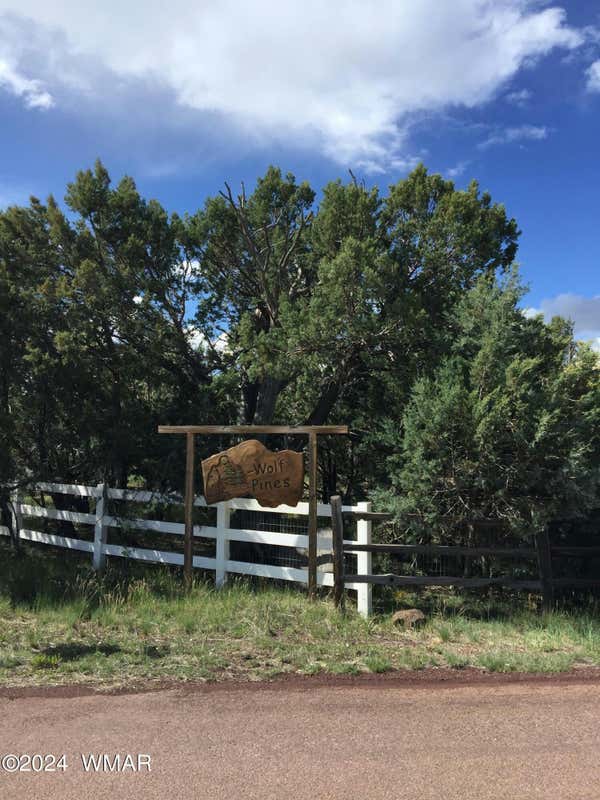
(312, 431)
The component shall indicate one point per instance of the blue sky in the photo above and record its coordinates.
(187, 96)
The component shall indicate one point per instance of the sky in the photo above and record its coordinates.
(186, 95)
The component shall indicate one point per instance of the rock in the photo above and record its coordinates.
(409, 617)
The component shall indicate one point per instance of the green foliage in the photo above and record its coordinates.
(320, 305)
(96, 351)
(507, 426)
(385, 311)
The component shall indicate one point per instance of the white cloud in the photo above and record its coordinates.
(341, 75)
(457, 170)
(583, 311)
(185, 268)
(198, 340)
(593, 77)
(221, 343)
(518, 98)
(32, 91)
(519, 134)
(195, 337)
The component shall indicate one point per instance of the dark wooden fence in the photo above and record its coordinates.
(542, 555)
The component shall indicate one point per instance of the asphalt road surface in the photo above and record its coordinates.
(309, 740)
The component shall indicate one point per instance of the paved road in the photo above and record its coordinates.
(310, 741)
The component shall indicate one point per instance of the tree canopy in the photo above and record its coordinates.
(397, 313)
(508, 425)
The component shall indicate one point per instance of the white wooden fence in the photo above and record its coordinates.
(222, 533)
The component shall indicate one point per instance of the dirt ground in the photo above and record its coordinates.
(430, 734)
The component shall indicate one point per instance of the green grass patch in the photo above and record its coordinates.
(378, 663)
(62, 623)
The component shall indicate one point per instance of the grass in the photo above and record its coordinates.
(61, 623)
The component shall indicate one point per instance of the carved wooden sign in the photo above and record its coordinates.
(250, 468)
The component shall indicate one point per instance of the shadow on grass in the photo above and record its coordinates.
(153, 651)
(493, 604)
(71, 651)
(44, 576)
(39, 576)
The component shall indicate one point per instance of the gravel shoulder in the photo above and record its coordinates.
(406, 679)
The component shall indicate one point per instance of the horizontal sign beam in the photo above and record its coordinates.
(330, 430)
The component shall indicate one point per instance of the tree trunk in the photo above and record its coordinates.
(268, 392)
(325, 403)
(7, 519)
(249, 396)
(329, 478)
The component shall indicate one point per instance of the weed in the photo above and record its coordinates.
(378, 664)
(444, 632)
(45, 661)
(454, 659)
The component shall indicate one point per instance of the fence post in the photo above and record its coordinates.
(542, 541)
(364, 563)
(222, 543)
(100, 530)
(17, 518)
(337, 538)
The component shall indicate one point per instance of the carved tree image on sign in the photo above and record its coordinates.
(249, 468)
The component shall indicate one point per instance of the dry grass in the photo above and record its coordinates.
(61, 624)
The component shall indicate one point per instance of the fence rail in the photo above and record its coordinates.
(358, 519)
(543, 553)
(442, 550)
(102, 522)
